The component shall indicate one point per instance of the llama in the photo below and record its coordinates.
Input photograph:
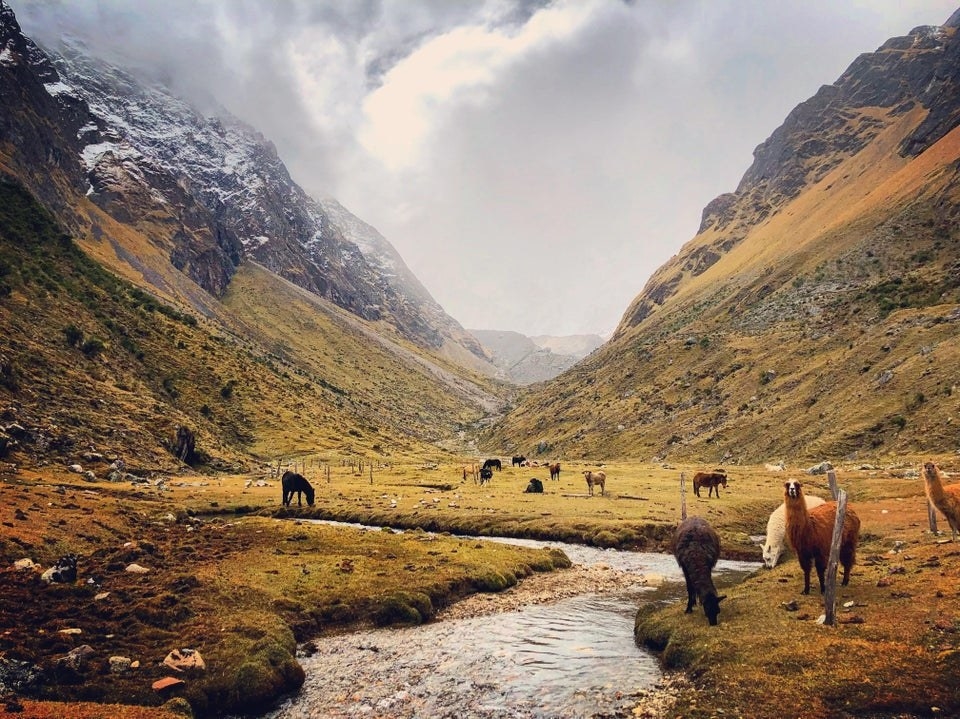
(555, 471)
(810, 533)
(595, 479)
(292, 482)
(697, 548)
(945, 498)
(774, 544)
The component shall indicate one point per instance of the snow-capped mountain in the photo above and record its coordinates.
(145, 154)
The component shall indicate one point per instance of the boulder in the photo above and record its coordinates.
(65, 570)
(182, 659)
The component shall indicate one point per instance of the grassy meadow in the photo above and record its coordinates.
(229, 579)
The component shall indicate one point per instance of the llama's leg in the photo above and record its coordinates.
(805, 566)
(691, 594)
(821, 568)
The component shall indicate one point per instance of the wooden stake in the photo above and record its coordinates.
(832, 479)
(683, 496)
(830, 578)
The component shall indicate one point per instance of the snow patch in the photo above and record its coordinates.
(7, 57)
(58, 88)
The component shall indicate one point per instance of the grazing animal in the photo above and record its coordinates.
(811, 531)
(776, 531)
(293, 482)
(518, 461)
(595, 479)
(555, 471)
(945, 498)
(711, 480)
(697, 548)
(493, 464)
(486, 474)
(535, 486)
(778, 467)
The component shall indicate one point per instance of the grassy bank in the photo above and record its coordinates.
(894, 652)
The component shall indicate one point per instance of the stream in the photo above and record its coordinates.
(575, 658)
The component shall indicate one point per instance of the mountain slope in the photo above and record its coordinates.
(174, 347)
(816, 311)
(209, 191)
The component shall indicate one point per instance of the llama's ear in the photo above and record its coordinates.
(721, 598)
(786, 485)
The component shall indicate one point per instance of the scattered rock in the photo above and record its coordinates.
(75, 658)
(821, 468)
(65, 570)
(71, 631)
(136, 569)
(165, 683)
(791, 606)
(120, 665)
(181, 659)
(24, 563)
(75, 468)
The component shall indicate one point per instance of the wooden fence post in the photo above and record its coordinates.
(832, 479)
(830, 578)
(371, 472)
(683, 496)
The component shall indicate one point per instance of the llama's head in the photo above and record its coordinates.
(711, 607)
(930, 472)
(771, 554)
(792, 489)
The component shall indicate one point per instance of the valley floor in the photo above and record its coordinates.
(224, 578)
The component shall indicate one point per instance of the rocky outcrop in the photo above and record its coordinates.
(919, 69)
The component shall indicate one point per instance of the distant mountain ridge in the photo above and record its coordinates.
(526, 360)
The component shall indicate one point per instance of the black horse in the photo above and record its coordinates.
(493, 464)
(518, 461)
(486, 474)
(293, 482)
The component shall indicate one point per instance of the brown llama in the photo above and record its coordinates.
(810, 532)
(945, 498)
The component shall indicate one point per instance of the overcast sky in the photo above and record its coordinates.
(533, 162)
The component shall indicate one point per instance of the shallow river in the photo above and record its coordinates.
(573, 658)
